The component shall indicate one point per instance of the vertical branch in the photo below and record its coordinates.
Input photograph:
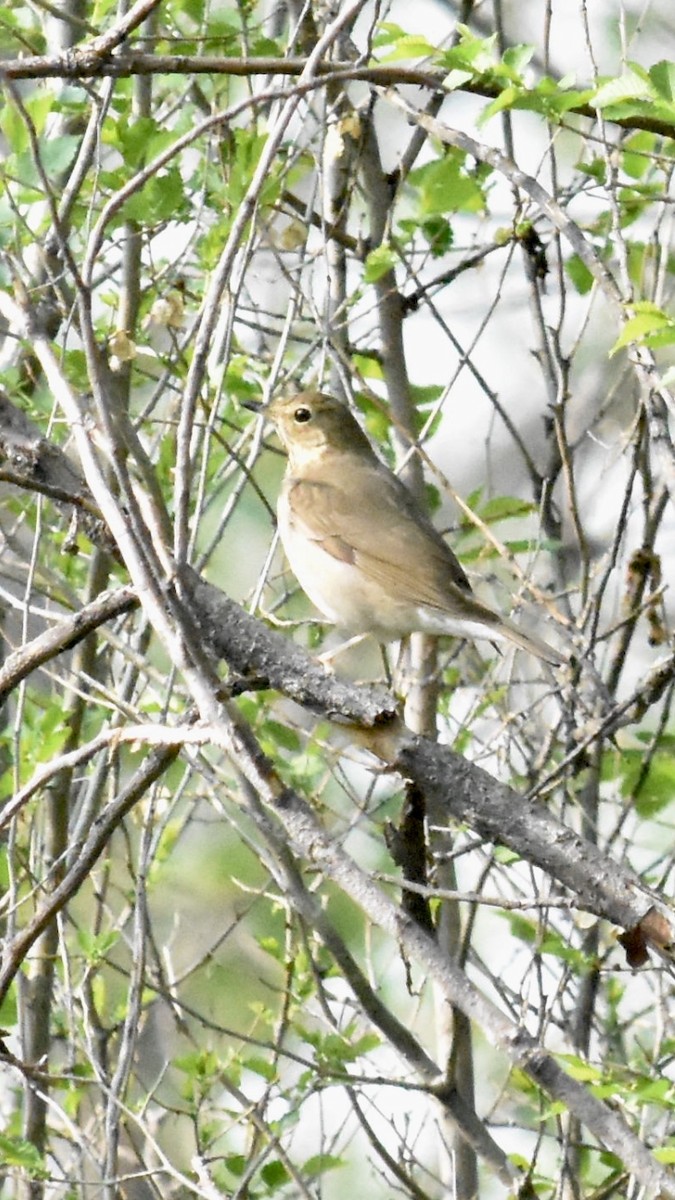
(36, 988)
(132, 1018)
(454, 1030)
(37, 985)
(339, 145)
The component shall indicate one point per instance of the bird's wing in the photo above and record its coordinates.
(400, 550)
(397, 548)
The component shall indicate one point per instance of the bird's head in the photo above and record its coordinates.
(312, 424)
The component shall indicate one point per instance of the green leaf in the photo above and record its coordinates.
(281, 735)
(662, 77)
(274, 1175)
(580, 1070)
(318, 1164)
(579, 273)
(633, 84)
(388, 32)
(96, 946)
(475, 54)
(260, 1066)
(161, 199)
(516, 58)
(368, 366)
(456, 79)
(635, 200)
(553, 98)
(425, 394)
(636, 152)
(506, 857)
(654, 1091)
(378, 262)
(143, 139)
(16, 1152)
(408, 46)
(657, 789)
(506, 99)
(524, 928)
(8, 1009)
(236, 1164)
(648, 323)
(57, 153)
(595, 169)
(664, 1154)
(14, 128)
(525, 546)
(445, 186)
(501, 508)
(638, 93)
(438, 233)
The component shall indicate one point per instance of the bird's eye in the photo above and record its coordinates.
(302, 415)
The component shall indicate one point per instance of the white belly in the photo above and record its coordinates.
(359, 604)
(337, 589)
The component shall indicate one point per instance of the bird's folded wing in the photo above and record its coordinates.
(380, 531)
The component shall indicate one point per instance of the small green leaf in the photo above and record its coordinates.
(504, 856)
(579, 273)
(636, 154)
(445, 186)
(274, 1175)
(379, 261)
(648, 322)
(388, 32)
(501, 508)
(664, 1154)
(662, 76)
(654, 1091)
(57, 153)
(368, 366)
(523, 928)
(517, 57)
(595, 169)
(633, 84)
(8, 1009)
(236, 1164)
(438, 233)
(260, 1066)
(14, 128)
(320, 1163)
(475, 54)
(425, 394)
(16, 1152)
(161, 199)
(408, 46)
(281, 735)
(96, 945)
(656, 789)
(506, 99)
(580, 1070)
(456, 78)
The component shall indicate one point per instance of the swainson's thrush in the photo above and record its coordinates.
(361, 549)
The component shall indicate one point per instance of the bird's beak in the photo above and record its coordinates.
(253, 406)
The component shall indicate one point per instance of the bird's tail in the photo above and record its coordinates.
(534, 645)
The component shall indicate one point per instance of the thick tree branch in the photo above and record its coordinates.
(457, 787)
(92, 62)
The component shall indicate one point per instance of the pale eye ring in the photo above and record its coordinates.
(302, 415)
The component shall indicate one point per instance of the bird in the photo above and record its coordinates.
(360, 547)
